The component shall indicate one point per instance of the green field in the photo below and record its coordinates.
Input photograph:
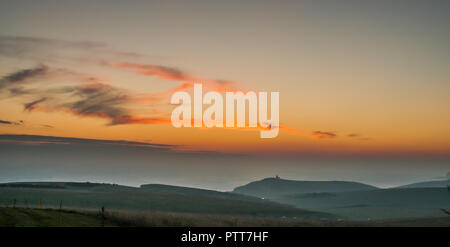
(78, 204)
(375, 204)
(22, 217)
(150, 199)
(354, 201)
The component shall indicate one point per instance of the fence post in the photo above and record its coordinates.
(102, 215)
(60, 204)
(40, 203)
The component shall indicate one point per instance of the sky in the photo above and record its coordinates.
(363, 89)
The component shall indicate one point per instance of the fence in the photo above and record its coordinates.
(59, 206)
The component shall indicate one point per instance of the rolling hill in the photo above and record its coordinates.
(354, 201)
(195, 191)
(308, 200)
(276, 187)
(146, 199)
(428, 184)
(375, 204)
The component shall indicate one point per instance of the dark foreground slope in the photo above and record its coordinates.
(276, 187)
(116, 197)
(17, 217)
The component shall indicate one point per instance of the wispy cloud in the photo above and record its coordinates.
(22, 75)
(20, 122)
(47, 140)
(164, 72)
(323, 135)
(352, 135)
(96, 100)
(359, 137)
(40, 48)
(94, 95)
(31, 105)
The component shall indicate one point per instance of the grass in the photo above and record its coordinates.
(158, 205)
(163, 219)
(376, 204)
(23, 217)
(144, 200)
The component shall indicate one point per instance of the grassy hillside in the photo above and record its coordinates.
(42, 218)
(428, 184)
(375, 204)
(78, 186)
(55, 218)
(115, 197)
(369, 203)
(276, 187)
(198, 192)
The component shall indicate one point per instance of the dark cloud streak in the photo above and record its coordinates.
(49, 140)
(11, 122)
(324, 134)
(30, 106)
(22, 75)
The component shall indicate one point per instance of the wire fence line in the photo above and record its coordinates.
(58, 205)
